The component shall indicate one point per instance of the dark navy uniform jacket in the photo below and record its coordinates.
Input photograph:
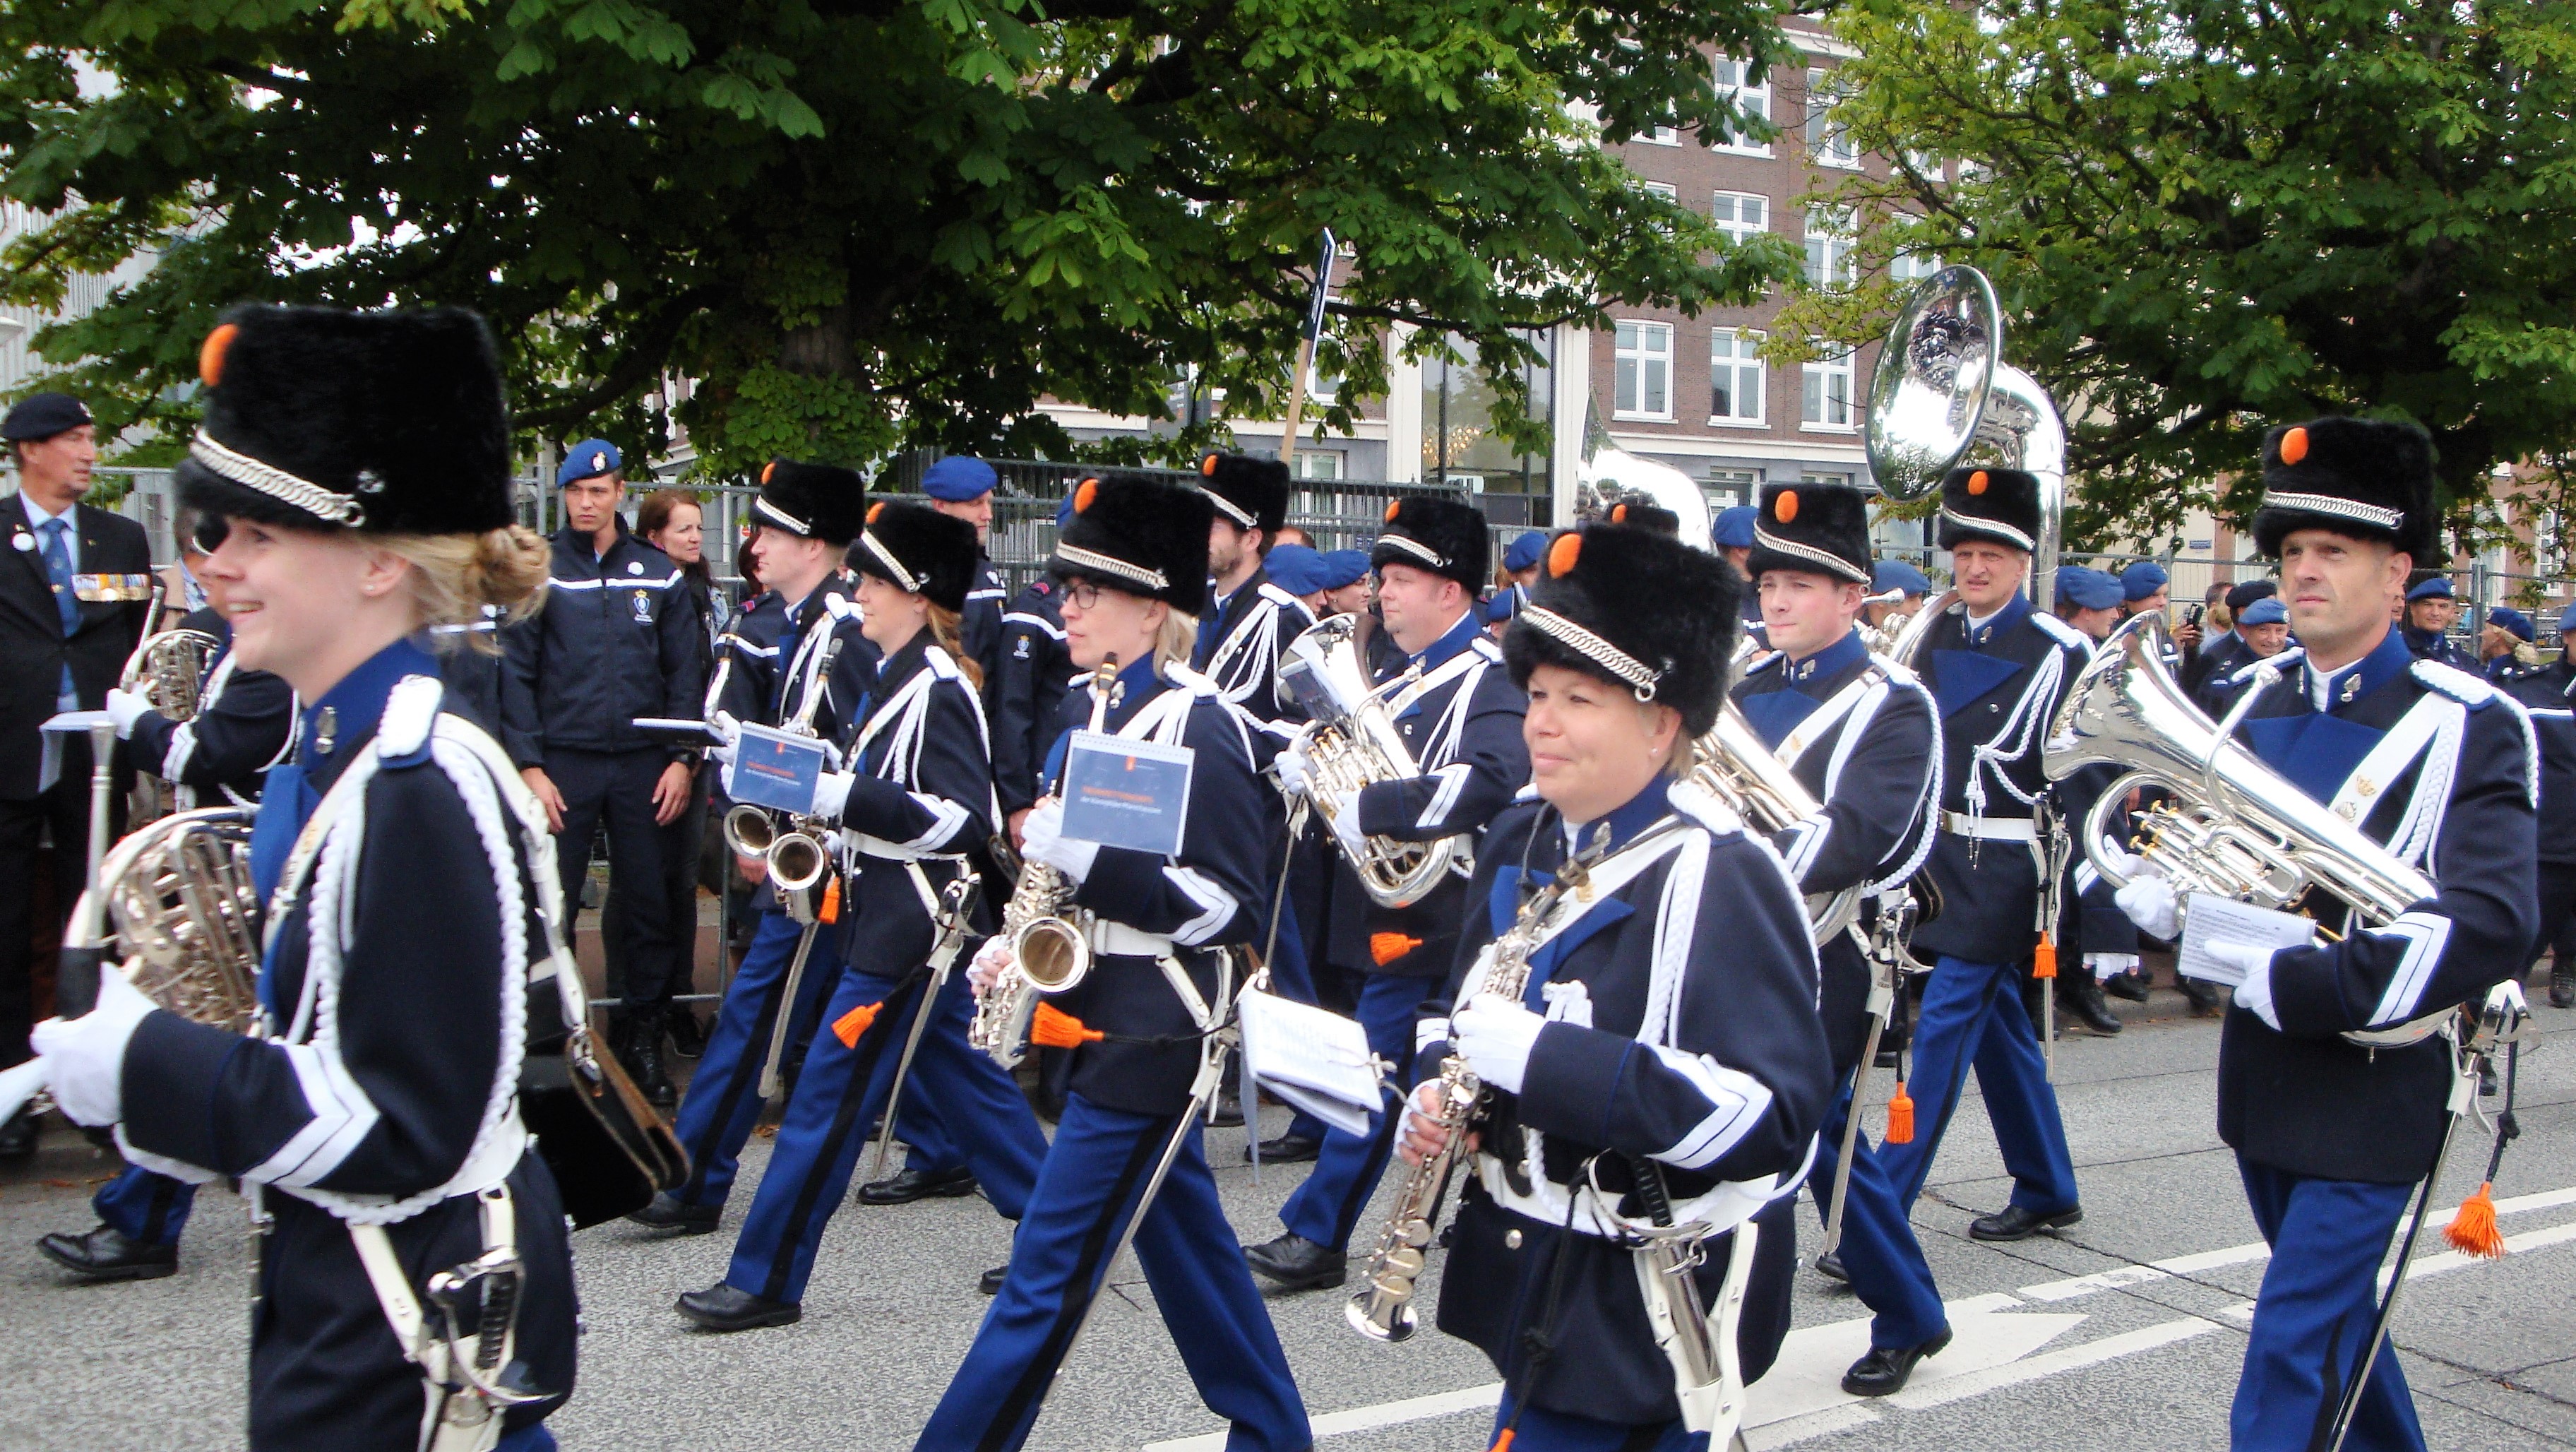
(829, 613)
(469, 661)
(2437, 647)
(1253, 629)
(2544, 692)
(1464, 729)
(1725, 1089)
(1215, 894)
(1027, 694)
(243, 721)
(1997, 692)
(2301, 1098)
(924, 797)
(750, 644)
(979, 625)
(619, 637)
(2090, 920)
(1861, 737)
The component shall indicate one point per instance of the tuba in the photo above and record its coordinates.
(1354, 744)
(1049, 952)
(2231, 826)
(1732, 765)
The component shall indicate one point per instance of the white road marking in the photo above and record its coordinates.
(1922, 1394)
(1362, 1419)
(1808, 1376)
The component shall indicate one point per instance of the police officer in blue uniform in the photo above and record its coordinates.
(1998, 670)
(962, 487)
(806, 515)
(1664, 1063)
(2430, 609)
(2330, 1135)
(1732, 532)
(1461, 719)
(915, 803)
(1134, 565)
(1859, 732)
(1029, 695)
(2548, 696)
(1520, 565)
(619, 638)
(2094, 939)
(2506, 640)
(374, 1115)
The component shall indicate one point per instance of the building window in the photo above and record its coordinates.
(1913, 266)
(1827, 142)
(1661, 136)
(1839, 481)
(1727, 488)
(1735, 385)
(1735, 83)
(1458, 442)
(1829, 247)
(1644, 387)
(1741, 214)
(1828, 395)
(1319, 464)
(1665, 190)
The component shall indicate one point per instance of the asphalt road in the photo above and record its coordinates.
(2126, 1331)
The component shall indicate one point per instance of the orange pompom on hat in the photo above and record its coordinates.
(1822, 529)
(1993, 504)
(2361, 478)
(1139, 535)
(1635, 608)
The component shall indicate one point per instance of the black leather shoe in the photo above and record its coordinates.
(668, 1213)
(2083, 1003)
(650, 1075)
(1887, 1368)
(2202, 996)
(1830, 1266)
(990, 1282)
(722, 1308)
(18, 1137)
(2014, 1223)
(912, 1184)
(1295, 1263)
(2562, 985)
(1287, 1149)
(2131, 985)
(1229, 1113)
(105, 1254)
(688, 1036)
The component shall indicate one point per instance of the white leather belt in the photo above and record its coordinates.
(1990, 829)
(1109, 937)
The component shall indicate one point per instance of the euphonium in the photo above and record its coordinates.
(2229, 825)
(1731, 764)
(1353, 744)
(1049, 953)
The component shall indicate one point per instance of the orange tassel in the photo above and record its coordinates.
(849, 1026)
(2043, 959)
(1054, 1028)
(2473, 1229)
(1503, 1443)
(1385, 948)
(831, 910)
(1900, 1116)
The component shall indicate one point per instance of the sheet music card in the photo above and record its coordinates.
(1125, 793)
(776, 769)
(2208, 918)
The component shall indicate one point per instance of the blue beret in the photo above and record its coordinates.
(2567, 622)
(2512, 621)
(1064, 510)
(588, 460)
(1295, 568)
(1734, 528)
(1344, 567)
(43, 415)
(2086, 589)
(2142, 579)
(2436, 588)
(2267, 611)
(1889, 575)
(1523, 552)
(1502, 605)
(959, 478)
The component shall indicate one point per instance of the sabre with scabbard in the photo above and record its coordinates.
(2049, 848)
(1884, 949)
(799, 897)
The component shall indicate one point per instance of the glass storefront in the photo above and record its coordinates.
(1459, 445)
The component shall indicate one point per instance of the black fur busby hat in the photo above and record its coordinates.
(2001, 505)
(1440, 535)
(319, 418)
(1140, 535)
(2367, 478)
(917, 548)
(1634, 607)
(812, 501)
(1822, 529)
(1638, 515)
(1251, 493)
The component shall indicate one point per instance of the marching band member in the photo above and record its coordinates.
(2437, 765)
(1250, 620)
(1998, 669)
(1860, 733)
(963, 487)
(380, 1123)
(1461, 718)
(1667, 1037)
(807, 514)
(1134, 565)
(2545, 694)
(917, 797)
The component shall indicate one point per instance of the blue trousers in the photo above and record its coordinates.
(926, 1145)
(839, 1096)
(148, 1208)
(1348, 1166)
(1878, 1250)
(2312, 1319)
(1085, 1193)
(723, 1102)
(1540, 1430)
(1972, 1017)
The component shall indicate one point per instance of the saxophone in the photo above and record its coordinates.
(1049, 953)
(1383, 1311)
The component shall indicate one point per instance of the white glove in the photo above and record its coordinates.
(2255, 993)
(1345, 819)
(1294, 771)
(85, 1056)
(986, 967)
(2104, 965)
(125, 708)
(1042, 839)
(832, 794)
(2149, 902)
(729, 734)
(1495, 1038)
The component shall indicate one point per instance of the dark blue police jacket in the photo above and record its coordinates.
(619, 637)
(1027, 693)
(2545, 694)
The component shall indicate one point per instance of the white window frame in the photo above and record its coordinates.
(1827, 144)
(1816, 395)
(1320, 464)
(1736, 230)
(1831, 230)
(1730, 480)
(1727, 75)
(1737, 359)
(1666, 190)
(1633, 364)
(1661, 136)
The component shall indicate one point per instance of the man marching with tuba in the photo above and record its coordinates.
(1459, 717)
(2435, 764)
(1860, 733)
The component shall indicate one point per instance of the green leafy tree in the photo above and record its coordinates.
(2205, 219)
(858, 225)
